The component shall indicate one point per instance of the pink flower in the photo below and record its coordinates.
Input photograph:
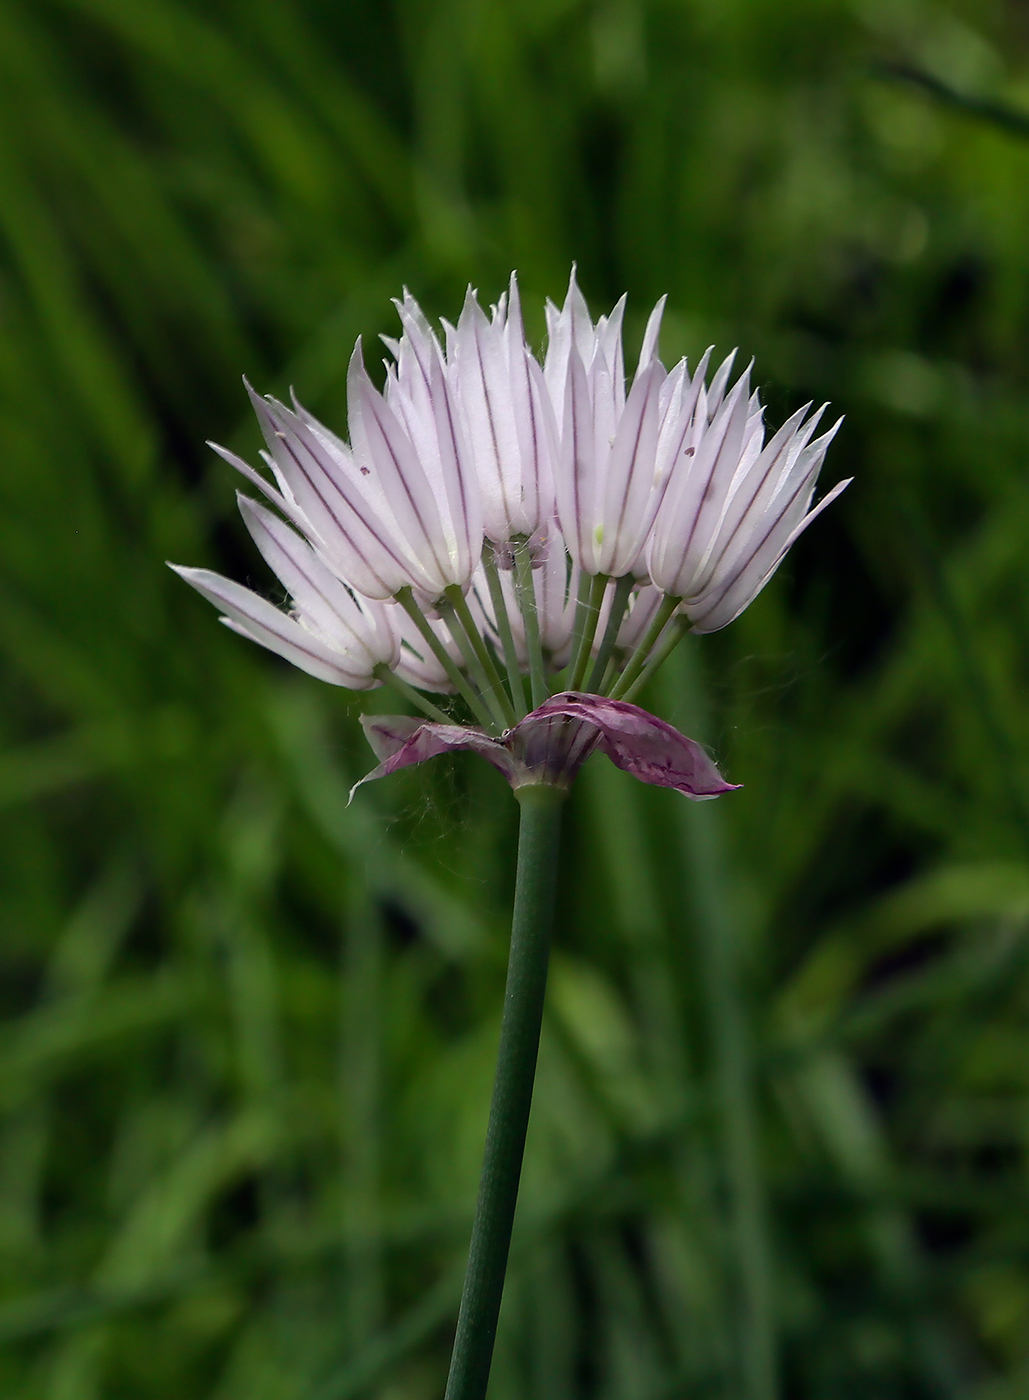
(492, 520)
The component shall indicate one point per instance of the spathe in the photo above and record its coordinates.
(550, 745)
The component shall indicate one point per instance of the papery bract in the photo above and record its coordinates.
(551, 743)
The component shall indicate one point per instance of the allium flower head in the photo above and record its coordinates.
(531, 539)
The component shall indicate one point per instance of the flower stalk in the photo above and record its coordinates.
(535, 889)
(635, 664)
(453, 672)
(412, 696)
(503, 622)
(619, 603)
(454, 610)
(530, 618)
(587, 615)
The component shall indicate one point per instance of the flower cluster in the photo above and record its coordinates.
(532, 538)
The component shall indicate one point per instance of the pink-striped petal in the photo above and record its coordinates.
(262, 622)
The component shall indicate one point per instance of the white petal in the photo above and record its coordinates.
(426, 402)
(360, 544)
(261, 622)
(764, 480)
(739, 588)
(682, 530)
(648, 350)
(630, 475)
(716, 393)
(357, 630)
(384, 449)
(485, 384)
(575, 472)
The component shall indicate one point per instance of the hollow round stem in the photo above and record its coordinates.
(512, 1090)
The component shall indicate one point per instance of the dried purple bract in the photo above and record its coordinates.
(552, 743)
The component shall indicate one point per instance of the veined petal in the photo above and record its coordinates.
(640, 743)
(567, 328)
(629, 479)
(262, 622)
(716, 393)
(437, 430)
(359, 630)
(576, 471)
(495, 390)
(608, 361)
(762, 482)
(648, 350)
(739, 585)
(383, 448)
(682, 526)
(349, 530)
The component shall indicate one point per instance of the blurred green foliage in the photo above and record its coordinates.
(779, 1141)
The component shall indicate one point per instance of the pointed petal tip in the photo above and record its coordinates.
(258, 400)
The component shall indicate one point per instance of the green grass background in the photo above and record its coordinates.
(779, 1139)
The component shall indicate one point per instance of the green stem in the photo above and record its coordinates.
(494, 685)
(414, 697)
(496, 593)
(671, 639)
(527, 602)
(587, 615)
(512, 1090)
(607, 645)
(641, 655)
(476, 670)
(460, 683)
